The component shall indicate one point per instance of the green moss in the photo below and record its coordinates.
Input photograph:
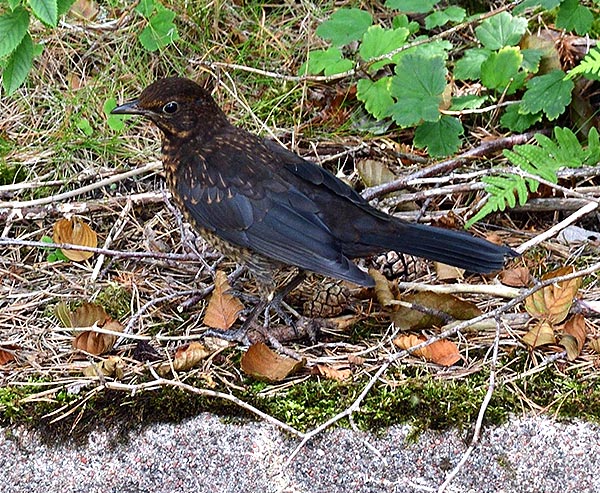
(116, 300)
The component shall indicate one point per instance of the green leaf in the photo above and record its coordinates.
(145, 8)
(13, 27)
(417, 87)
(378, 41)
(469, 66)
(500, 69)
(13, 4)
(403, 21)
(550, 93)
(45, 10)
(63, 6)
(375, 96)
(329, 61)
(412, 6)
(441, 138)
(501, 30)
(545, 4)
(160, 31)
(574, 16)
(531, 59)
(345, 26)
(83, 124)
(115, 122)
(18, 66)
(470, 102)
(515, 120)
(442, 17)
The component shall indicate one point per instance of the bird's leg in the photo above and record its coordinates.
(277, 299)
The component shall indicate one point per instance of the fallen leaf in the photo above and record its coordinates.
(111, 366)
(447, 305)
(356, 360)
(264, 364)
(552, 303)
(85, 10)
(96, 343)
(223, 308)
(88, 314)
(447, 272)
(519, 277)
(332, 373)
(541, 334)
(186, 357)
(7, 353)
(574, 334)
(442, 352)
(373, 173)
(76, 232)
(595, 344)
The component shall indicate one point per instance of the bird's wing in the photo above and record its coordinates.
(259, 212)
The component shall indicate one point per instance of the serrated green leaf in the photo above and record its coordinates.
(13, 27)
(375, 96)
(412, 6)
(145, 8)
(467, 102)
(501, 68)
(501, 30)
(345, 26)
(469, 66)
(63, 6)
(441, 138)
(545, 4)
(45, 10)
(160, 31)
(329, 61)
(378, 41)
(573, 16)
(442, 17)
(431, 49)
(417, 87)
(550, 93)
(18, 66)
(515, 120)
(531, 59)
(403, 21)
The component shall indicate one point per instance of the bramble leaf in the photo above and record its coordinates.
(376, 96)
(550, 93)
(13, 27)
(501, 30)
(441, 138)
(345, 26)
(573, 16)
(18, 65)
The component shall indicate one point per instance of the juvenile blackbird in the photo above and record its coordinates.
(267, 207)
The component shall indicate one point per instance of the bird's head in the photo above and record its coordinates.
(178, 106)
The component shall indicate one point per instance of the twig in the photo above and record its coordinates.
(88, 188)
(491, 289)
(445, 167)
(159, 382)
(557, 228)
(482, 410)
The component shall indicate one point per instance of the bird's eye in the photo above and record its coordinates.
(170, 108)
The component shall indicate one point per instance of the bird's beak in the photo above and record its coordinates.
(130, 108)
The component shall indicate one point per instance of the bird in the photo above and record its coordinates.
(265, 206)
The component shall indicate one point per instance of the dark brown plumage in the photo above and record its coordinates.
(265, 206)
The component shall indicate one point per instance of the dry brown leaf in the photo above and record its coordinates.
(447, 272)
(442, 352)
(373, 173)
(186, 357)
(112, 366)
(574, 334)
(76, 232)
(63, 313)
(405, 318)
(541, 334)
(332, 373)
(85, 10)
(519, 277)
(553, 302)
(87, 315)
(223, 308)
(262, 363)
(7, 353)
(383, 292)
(595, 344)
(356, 360)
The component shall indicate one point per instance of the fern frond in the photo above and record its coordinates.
(589, 66)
